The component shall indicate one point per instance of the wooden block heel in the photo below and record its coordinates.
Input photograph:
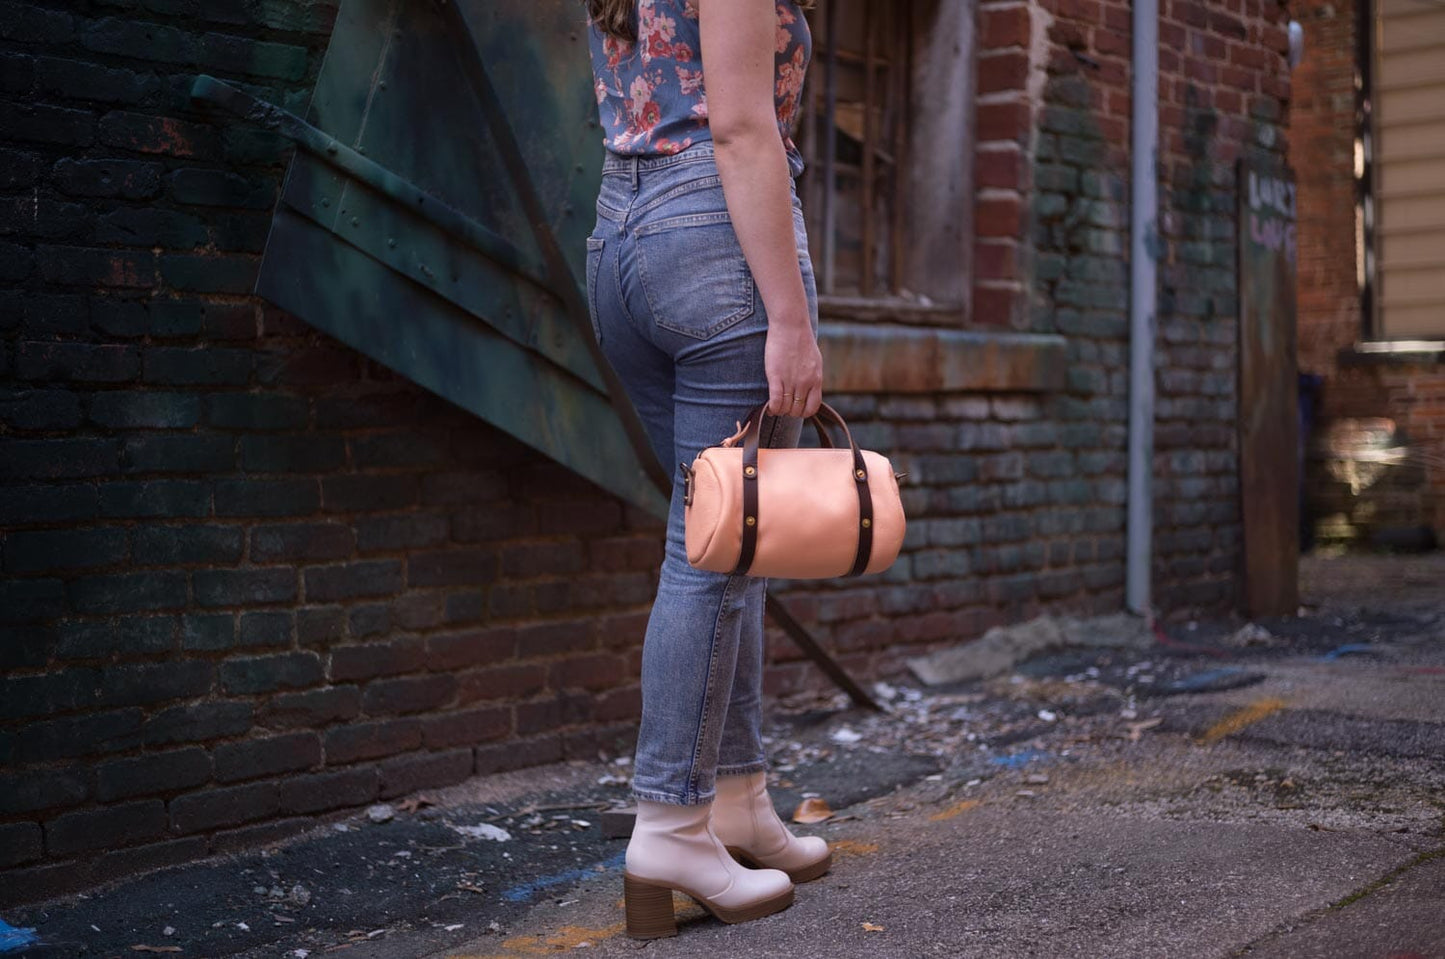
(649, 909)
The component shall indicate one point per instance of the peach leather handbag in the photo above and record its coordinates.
(792, 513)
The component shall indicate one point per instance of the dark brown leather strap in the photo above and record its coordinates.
(865, 493)
(750, 493)
(865, 513)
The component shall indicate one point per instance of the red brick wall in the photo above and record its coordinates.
(1322, 146)
(1053, 215)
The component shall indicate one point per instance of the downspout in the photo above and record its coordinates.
(1143, 232)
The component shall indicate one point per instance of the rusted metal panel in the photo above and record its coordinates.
(403, 233)
(1269, 450)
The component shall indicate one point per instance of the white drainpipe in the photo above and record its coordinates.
(1143, 297)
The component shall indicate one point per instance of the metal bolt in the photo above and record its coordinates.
(752, 521)
(867, 523)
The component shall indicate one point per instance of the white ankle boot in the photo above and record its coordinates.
(674, 847)
(744, 819)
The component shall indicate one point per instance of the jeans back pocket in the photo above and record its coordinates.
(694, 275)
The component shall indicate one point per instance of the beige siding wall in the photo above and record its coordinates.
(1410, 113)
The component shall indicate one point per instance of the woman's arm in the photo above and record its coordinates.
(738, 39)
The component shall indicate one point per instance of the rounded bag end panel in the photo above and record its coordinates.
(703, 523)
(889, 523)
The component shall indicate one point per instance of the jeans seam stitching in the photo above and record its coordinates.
(704, 722)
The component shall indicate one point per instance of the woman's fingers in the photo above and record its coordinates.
(777, 404)
(812, 402)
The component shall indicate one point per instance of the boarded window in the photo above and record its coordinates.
(886, 139)
(1410, 163)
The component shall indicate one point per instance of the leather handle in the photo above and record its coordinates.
(820, 421)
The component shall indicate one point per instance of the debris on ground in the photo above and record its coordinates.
(484, 831)
(1250, 634)
(380, 813)
(1002, 647)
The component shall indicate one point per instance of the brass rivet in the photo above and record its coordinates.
(752, 521)
(751, 471)
(861, 474)
(867, 523)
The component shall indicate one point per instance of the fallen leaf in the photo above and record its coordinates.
(468, 887)
(155, 948)
(413, 804)
(812, 810)
(872, 927)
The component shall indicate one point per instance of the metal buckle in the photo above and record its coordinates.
(687, 483)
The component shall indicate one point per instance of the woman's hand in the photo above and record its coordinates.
(795, 368)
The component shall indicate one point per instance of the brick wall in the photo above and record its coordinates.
(1052, 251)
(1412, 394)
(1322, 140)
(250, 577)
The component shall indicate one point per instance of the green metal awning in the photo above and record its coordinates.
(435, 214)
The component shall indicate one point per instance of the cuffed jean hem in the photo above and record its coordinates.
(671, 799)
(744, 769)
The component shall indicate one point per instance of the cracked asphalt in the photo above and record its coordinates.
(1091, 803)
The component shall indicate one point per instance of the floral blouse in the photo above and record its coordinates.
(651, 95)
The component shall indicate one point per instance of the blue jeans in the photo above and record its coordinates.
(679, 318)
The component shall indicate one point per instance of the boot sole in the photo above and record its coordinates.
(801, 874)
(648, 906)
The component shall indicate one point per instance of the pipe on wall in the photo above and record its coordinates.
(1143, 298)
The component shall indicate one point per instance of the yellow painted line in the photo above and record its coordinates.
(956, 809)
(844, 848)
(1239, 719)
(546, 944)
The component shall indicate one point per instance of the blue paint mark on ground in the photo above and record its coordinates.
(1213, 680)
(1349, 649)
(12, 939)
(1015, 760)
(529, 889)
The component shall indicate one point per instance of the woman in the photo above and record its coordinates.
(702, 299)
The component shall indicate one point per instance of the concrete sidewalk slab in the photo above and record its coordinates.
(1404, 918)
(1001, 881)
